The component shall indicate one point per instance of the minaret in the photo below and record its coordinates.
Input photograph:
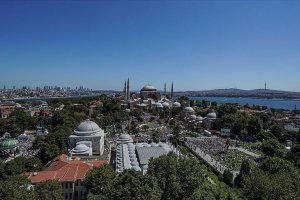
(128, 91)
(165, 88)
(172, 88)
(125, 91)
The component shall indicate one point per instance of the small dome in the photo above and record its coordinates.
(148, 88)
(165, 104)
(87, 127)
(193, 117)
(176, 104)
(158, 105)
(189, 109)
(81, 148)
(9, 143)
(134, 163)
(136, 168)
(211, 115)
(125, 138)
(199, 118)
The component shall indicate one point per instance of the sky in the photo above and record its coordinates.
(200, 45)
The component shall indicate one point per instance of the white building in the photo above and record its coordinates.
(87, 139)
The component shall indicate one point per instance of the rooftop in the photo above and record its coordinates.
(64, 170)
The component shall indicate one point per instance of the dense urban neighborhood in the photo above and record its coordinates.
(147, 145)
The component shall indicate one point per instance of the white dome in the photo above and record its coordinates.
(189, 109)
(87, 127)
(125, 138)
(165, 104)
(134, 163)
(158, 105)
(193, 116)
(211, 115)
(136, 168)
(199, 118)
(176, 104)
(148, 88)
(81, 148)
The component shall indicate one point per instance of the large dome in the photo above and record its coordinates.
(87, 127)
(148, 88)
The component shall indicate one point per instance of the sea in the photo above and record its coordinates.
(289, 104)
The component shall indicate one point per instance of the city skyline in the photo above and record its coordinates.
(198, 45)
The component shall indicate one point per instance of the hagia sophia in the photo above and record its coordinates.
(149, 98)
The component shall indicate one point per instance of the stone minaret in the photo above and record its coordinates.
(125, 91)
(172, 90)
(165, 88)
(128, 91)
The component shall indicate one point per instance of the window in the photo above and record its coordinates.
(70, 196)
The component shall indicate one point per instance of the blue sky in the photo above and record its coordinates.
(197, 44)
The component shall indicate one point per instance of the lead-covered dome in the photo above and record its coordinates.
(211, 115)
(189, 109)
(176, 104)
(81, 148)
(148, 88)
(87, 127)
(125, 138)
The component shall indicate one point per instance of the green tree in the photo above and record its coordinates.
(178, 177)
(134, 185)
(49, 190)
(99, 181)
(228, 177)
(254, 126)
(272, 148)
(48, 152)
(16, 188)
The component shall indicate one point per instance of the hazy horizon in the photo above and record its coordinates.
(200, 45)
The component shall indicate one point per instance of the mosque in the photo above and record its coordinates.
(148, 98)
(87, 140)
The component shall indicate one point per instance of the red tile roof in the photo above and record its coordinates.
(64, 170)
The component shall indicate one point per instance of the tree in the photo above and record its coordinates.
(178, 177)
(294, 155)
(99, 181)
(16, 188)
(272, 148)
(48, 152)
(134, 185)
(49, 190)
(254, 126)
(228, 177)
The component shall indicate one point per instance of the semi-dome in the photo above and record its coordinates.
(87, 127)
(81, 148)
(211, 115)
(189, 109)
(148, 88)
(176, 104)
(9, 143)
